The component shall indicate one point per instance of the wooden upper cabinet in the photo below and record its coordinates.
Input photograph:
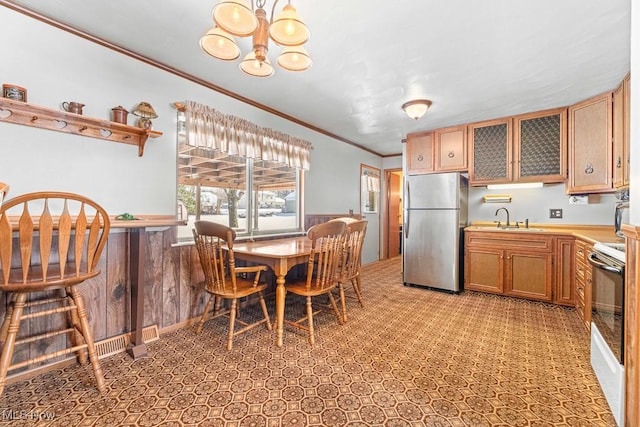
(534, 150)
(419, 153)
(627, 128)
(451, 149)
(490, 148)
(540, 146)
(590, 148)
(621, 139)
(619, 155)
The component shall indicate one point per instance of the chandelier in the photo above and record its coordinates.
(238, 18)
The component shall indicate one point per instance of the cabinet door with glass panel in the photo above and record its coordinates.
(539, 142)
(490, 148)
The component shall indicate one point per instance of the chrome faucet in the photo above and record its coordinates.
(505, 209)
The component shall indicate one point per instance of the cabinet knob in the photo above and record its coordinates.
(589, 169)
(451, 154)
(420, 158)
(619, 163)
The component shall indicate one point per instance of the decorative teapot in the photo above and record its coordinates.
(73, 107)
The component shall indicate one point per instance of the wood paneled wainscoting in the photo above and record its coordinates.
(173, 294)
(632, 327)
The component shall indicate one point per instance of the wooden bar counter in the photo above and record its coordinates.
(137, 250)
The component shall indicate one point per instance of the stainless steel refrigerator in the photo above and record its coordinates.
(435, 214)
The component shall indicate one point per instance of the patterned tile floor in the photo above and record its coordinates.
(411, 357)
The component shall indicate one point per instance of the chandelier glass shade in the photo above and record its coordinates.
(416, 108)
(238, 18)
(220, 44)
(255, 67)
(294, 59)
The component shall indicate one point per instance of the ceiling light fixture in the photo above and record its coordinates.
(238, 18)
(416, 108)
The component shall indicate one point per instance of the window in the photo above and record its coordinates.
(369, 189)
(253, 196)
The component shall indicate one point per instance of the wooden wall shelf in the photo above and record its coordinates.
(23, 113)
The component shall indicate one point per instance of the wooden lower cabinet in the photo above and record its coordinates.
(484, 270)
(529, 274)
(518, 264)
(565, 271)
(583, 275)
(540, 267)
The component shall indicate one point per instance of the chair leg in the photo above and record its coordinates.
(264, 310)
(205, 313)
(310, 319)
(12, 333)
(232, 323)
(357, 287)
(5, 323)
(88, 338)
(343, 303)
(76, 338)
(218, 305)
(335, 307)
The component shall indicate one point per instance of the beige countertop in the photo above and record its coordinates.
(590, 233)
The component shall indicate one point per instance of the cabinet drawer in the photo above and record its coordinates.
(582, 251)
(581, 270)
(507, 240)
(580, 295)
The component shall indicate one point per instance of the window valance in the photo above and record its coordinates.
(208, 128)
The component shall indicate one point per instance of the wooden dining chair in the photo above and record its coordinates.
(50, 242)
(225, 281)
(352, 261)
(4, 189)
(327, 247)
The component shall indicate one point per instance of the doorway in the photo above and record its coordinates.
(393, 217)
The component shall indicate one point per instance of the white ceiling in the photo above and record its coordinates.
(475, 60)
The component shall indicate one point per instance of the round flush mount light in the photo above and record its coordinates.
(416, 108)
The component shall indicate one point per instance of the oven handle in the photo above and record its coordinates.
(593, 260)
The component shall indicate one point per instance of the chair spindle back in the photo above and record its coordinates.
(327, 247)
(59, 238)
(217, 263)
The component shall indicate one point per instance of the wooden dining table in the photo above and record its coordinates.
(280, 255)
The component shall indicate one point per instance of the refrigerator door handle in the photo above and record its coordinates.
(405, 226)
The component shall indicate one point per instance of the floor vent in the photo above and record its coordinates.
(118, 344)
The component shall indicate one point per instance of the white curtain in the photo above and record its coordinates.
(371, 183)
(210, 129)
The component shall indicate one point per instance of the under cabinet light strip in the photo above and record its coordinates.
(514, 186)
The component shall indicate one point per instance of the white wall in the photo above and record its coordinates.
(56, 66)
(534, 204)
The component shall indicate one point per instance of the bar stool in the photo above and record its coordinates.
(56, 250)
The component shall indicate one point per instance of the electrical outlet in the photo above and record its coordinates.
(555, 213)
